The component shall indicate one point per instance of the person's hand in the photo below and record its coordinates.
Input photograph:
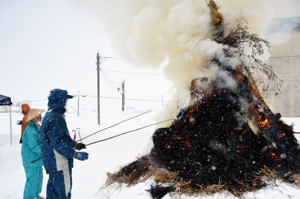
(79, 146)
(81, 155)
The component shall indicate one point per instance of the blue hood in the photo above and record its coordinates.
(57, 100)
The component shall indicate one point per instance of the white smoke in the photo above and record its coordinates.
(176, 33)
(281, 30)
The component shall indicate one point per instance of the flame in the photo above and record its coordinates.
(188, 115)
(240, 149)
(178, 138)
(188, 143)
(274, 156)
(238, 128)
(186, 140)
(282, 134)
(265, 123)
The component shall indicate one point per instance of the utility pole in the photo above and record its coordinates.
(100, 59)
(123, 95)
(10, 125)
(78, 104)
(98, 87)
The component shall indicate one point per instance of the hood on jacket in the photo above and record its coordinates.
(57, 100)
(25, 108)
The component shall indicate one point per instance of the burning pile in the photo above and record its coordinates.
(227, 138)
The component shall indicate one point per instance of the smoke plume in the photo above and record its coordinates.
(176, 34)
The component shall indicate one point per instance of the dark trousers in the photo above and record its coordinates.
(59, 184)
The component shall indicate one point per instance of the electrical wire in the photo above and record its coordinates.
(130, 131)
(114, 125)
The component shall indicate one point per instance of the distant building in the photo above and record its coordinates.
(285, 61)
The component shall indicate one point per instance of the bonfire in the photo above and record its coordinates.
(227, 138)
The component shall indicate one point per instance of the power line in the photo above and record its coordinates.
(35, 100)
(132, 99)
(130, 72)
(74, 109)
(104, 97)
(113, 125)
(136, 73)
(108, 79)
(143, 100)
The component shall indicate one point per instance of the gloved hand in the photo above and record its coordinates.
(79, 146)
(19, 122)
(81, 155)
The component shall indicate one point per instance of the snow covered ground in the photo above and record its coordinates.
(89, 176)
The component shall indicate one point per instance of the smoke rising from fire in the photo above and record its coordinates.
(175, 34)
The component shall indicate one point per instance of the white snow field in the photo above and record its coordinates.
(89, 177)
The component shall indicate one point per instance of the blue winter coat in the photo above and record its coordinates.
(31, 148)
(56, 143)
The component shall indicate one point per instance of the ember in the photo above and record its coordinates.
(265, 123)
(227, 138)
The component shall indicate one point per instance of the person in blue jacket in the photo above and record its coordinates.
(58, 148)
(31, 150)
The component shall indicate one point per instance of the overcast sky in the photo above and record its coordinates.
(50, 44)
(46, 44)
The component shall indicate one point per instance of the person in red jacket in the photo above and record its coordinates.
(25, 109)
